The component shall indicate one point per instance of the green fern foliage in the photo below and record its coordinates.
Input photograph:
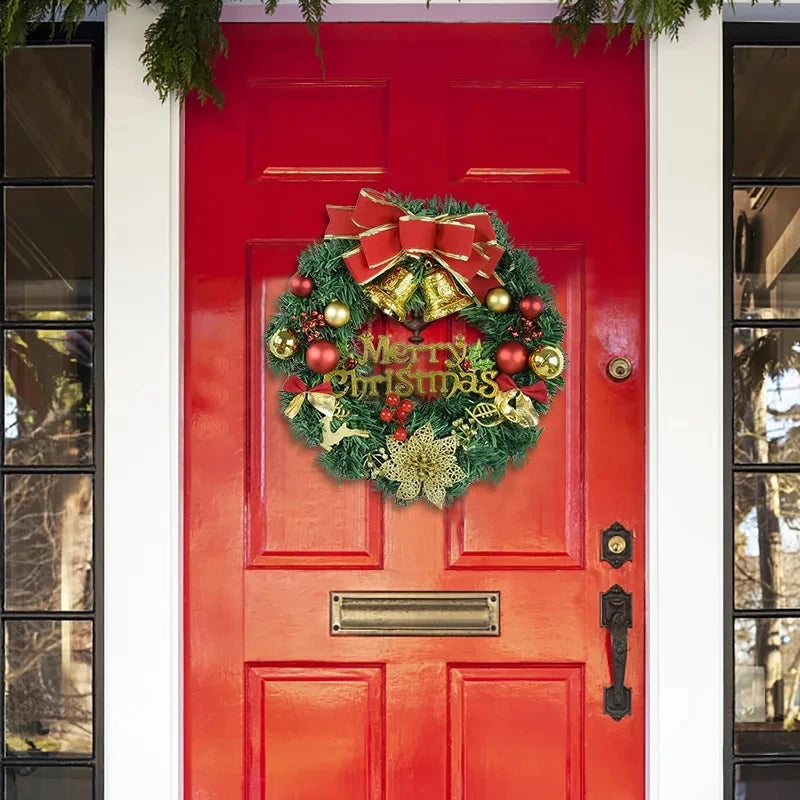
(648, 19)
(181, 45)
(184, 41)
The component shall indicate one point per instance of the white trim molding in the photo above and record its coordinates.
(142, 404)
(143, 553)
(685, 460)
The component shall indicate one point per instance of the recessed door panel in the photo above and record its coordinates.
(281, 469)
(515, 728)
(544, 525)
(331, 714)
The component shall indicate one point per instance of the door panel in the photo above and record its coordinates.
(276, 707)
(280, 470)
(514, 728)
(344, 728)
(529, 533)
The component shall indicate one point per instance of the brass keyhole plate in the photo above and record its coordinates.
(619, 369)
(616, 546)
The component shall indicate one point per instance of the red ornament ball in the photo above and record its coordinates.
(401, 415)
(392, 400)
(511, 357)
(531, 306)
(401, 434)
(322, 356)
(301, 285)
(406, 406)
(387, 414)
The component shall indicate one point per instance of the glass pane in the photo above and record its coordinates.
(48, 687)
(767, 685)
(767, 782)
(48, 117)
(48, 541)
(766, 395)
(48, 783)
(767, 540)
(766, 252)
(48, 399)
(766, 104)
(49, 266)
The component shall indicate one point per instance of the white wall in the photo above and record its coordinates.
(143, 488)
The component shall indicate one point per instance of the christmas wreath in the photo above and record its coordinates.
(420, 419)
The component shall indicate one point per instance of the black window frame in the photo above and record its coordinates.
(91, 34)
(737, 34)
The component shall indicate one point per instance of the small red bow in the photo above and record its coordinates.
(536, 391)
(296, 385)
(320, 397)
(466, 244)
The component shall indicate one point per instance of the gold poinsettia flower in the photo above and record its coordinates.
(423, 464)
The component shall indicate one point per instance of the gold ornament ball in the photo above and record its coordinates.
(283, 343)
(337, 314)
(547, 362)
(498, 300)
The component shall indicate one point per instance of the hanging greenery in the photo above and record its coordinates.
(186, 38)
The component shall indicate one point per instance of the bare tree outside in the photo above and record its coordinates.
(48, 542)
(767, 529)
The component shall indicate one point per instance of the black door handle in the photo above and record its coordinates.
(616, 615)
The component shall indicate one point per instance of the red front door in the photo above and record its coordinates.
(276, 707)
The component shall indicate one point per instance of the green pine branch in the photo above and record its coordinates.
(186, 39)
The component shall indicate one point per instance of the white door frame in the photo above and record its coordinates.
(143, 513)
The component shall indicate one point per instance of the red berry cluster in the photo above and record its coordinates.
(350, 363)
(397, 411)
(310, 322)
(529, 331)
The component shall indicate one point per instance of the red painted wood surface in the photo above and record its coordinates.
(277, 709)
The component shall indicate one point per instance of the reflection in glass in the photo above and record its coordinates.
(766, 105)
(767, 685)
(49, 267)
(767, 540)
(766, 252)
(766, 395)
(48, 397)
(48, 112)
(48, 687)
(48, 783)
(767, 782)
(48, 542)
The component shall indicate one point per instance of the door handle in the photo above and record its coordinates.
(616, 616)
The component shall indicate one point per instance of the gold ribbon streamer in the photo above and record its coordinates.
(517, 407)
(324, 403)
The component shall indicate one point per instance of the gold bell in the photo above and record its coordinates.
(442, 296)
(392, 292)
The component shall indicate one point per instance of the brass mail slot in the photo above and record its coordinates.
(415, 613)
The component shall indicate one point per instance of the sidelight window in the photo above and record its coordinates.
(50, 481)
(762, 248)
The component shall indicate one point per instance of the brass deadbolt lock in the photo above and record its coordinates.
(619, 369)
(617, 544)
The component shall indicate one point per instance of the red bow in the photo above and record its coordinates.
(320, 397)
(296, 385)
(466, 245)
(536, 391)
